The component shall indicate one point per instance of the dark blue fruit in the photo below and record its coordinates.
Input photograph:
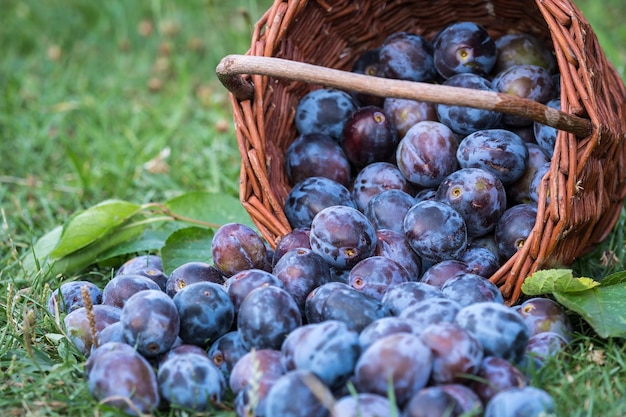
(150, 322)
(495, 375)
(352, 307)
(526, 401)
(364, 404)
(427, 153)
(399, 361)
(123, 379)
(298, 393)
(258, 366)
(407, 56)
(522, 189)
(499, 151)
(68, 297)
(312, 195)
(324, 111)
(301, 271)
(236, 247)
(523, 48)
(386, 210)
(525, 81)
(296, 238)
(435, 231)
(501, 331)
(382, 327)
(441, 272)
(374, 275)
(368, 63)
(206, 313)
(400, 296)
(432, 401)
(430, 311)
(368, 136)
(546, 135)
(404, 113)
(266, 316)
(314, 304)
(478, 195)
(480, 260)
(513, 229)
(545, 315)
(137, 263)
(78, 327)
(191, 272)
(394, 245)
(316, 155)
(457, 354)
(226, 351)
(342, 236)
(328, 349)
(464, 47)
(468, 288)
(376, 178)
(239, 285)
(122, 287)
(191, 381)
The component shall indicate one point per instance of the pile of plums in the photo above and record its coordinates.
(377, 303)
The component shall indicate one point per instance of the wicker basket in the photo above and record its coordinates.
(587, 178)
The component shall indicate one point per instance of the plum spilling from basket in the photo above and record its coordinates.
(378, 302)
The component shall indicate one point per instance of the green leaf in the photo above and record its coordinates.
(212, 208)
(613, 279)
(149, 241)
(556, 280)
(82, 258)
(191, 244)
(40, 251)
(602, 307)
(91, 224)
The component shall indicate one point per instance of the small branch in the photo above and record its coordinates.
(232, 66)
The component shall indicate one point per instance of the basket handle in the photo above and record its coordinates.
(231, 69)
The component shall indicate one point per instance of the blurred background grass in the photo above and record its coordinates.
(118, 99)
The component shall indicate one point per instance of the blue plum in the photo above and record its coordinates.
(150, 322)
(191, 382)
(499, 151)
(342, 236)
(206, 313)
(325, 111)
(435, 230)
(312, 195)
(427, 153)
(478, 195)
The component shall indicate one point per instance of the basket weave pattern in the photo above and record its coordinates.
(586, 183)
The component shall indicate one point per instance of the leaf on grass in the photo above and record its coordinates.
(602, 307)
(40, 251)
(213, 208)
(556, 280)
(191, 244)
(149, 241)
(92, 224)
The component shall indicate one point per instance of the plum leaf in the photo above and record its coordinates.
(187, 245)
(89, 225)
(556, 280)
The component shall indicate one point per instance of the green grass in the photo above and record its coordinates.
(90, 93)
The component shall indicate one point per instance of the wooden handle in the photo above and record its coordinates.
(232, 67)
